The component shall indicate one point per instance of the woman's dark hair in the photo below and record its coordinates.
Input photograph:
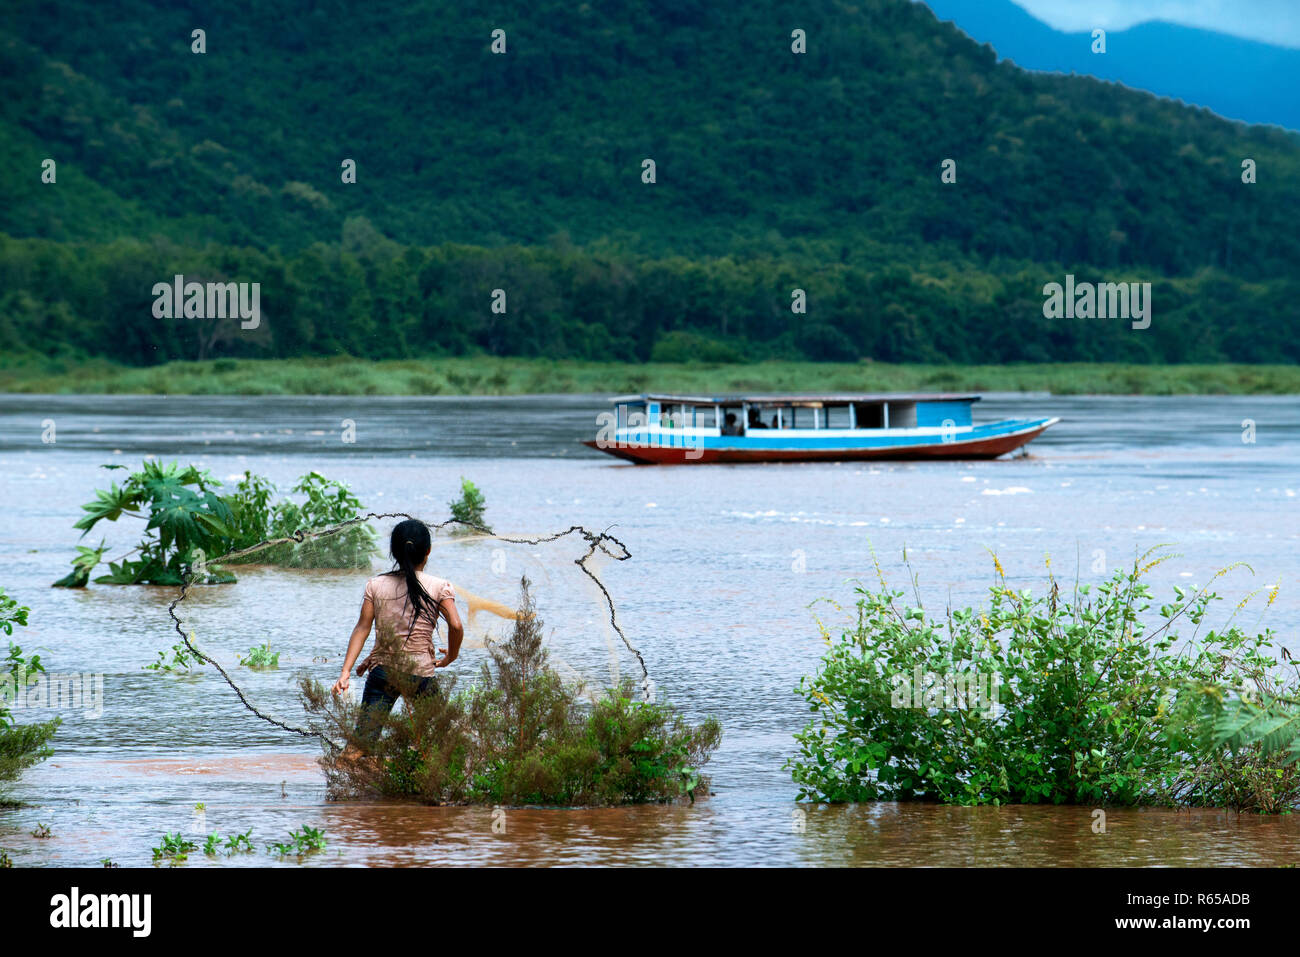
(409, 545)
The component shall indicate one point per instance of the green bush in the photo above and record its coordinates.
(21, 746)
(1090, 699)
(518, 735)
(251, 508)
(326, 504)
(471, 505)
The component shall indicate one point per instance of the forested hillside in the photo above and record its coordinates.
(523, 171)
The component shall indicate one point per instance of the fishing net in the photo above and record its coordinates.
(298, 597)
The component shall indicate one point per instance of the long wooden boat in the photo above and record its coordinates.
(658, 429)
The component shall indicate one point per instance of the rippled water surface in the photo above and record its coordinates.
(725, 562)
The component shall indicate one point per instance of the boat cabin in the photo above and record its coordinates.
(753, 414)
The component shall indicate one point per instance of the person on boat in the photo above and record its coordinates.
(730, 425)
(404, 606)
(754, 421)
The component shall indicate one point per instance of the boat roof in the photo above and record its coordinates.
(798, 398)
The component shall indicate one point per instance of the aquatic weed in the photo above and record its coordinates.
(301, 843)
(183, 661)
(261, 658)
(174, 849)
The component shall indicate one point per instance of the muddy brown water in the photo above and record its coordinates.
(725, 563)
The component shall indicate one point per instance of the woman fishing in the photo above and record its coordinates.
(403, 605)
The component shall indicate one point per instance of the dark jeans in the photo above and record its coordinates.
(381, 694)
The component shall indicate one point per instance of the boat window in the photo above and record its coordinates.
(680, 416)
(800, 417)
(631, 415)
(732, 420)
(902, 415)
(870, 415)
(703, 417)
(835, 417)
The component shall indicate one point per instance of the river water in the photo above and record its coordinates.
(725, 562)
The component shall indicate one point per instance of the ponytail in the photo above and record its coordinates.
(409, 545)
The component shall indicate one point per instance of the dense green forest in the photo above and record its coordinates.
(522, 171)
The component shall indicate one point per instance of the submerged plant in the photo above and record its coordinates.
(261, 658)
(300, 844)
(174, 849)
(1090, 698)
(183, 660)
(326, 505)
(470, 507)
(516, 735)
(233, 843)
(21, 745)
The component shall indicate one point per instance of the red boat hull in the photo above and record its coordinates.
(987, 448)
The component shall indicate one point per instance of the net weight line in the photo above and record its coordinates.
(595, 541)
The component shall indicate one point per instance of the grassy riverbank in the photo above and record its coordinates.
(515, 376)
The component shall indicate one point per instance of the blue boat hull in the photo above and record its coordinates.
(665, 448)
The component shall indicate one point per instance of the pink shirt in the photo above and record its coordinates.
(393, 610)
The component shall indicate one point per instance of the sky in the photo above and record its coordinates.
(1272, 21)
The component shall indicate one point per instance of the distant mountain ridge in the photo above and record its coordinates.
(1237, 78)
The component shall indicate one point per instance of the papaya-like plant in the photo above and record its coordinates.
(186, 524)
